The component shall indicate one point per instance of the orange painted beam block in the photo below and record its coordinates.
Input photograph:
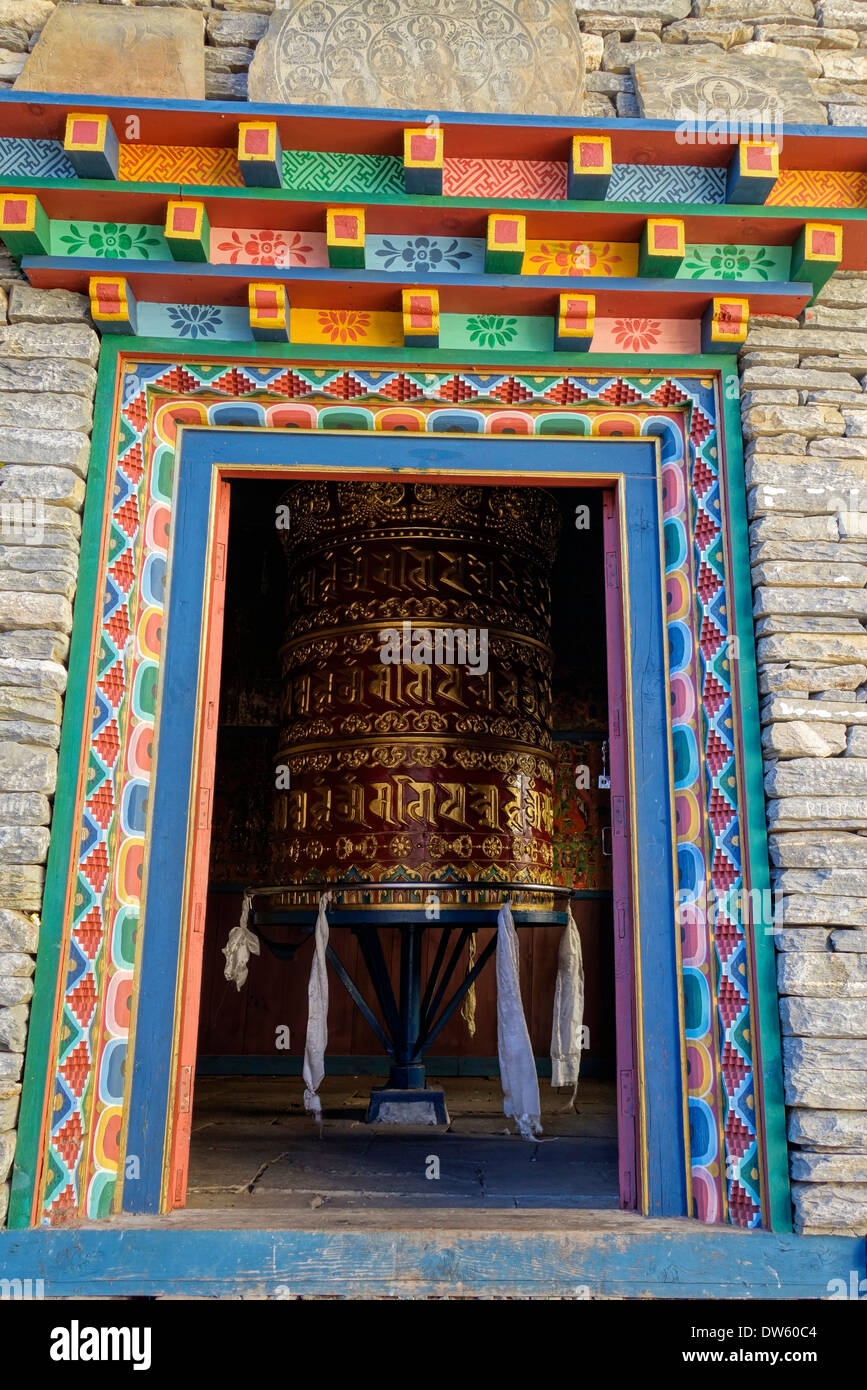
(421, 318)
(724, 324)
(576, 322)
(112, 304)
(269, 312)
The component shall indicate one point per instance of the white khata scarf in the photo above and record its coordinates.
(317, 1016)
(517, 1064)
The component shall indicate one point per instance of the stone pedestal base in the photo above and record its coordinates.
(392, 1107)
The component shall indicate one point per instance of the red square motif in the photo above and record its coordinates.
(423, 147)
(256, 141)
(591, 155)
(85, 132)
(346, 227)
(665, 238)
(14, 211)
(184, 220)
(759, 159)
(823, 242)
(108, 296)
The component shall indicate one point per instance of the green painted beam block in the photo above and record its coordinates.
(503, 262)
(505, 244)
(346, 257)
(344, 237)
(817, 253)
(24, 225)
(661, 247)
(188, 231)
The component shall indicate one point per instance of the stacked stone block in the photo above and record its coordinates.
(824, 43)
(804, 410)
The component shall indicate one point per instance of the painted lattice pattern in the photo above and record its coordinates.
(311, 172)
(664, 183)
(84, 1140)
(504, 178)
(199, 165)
(34, 159)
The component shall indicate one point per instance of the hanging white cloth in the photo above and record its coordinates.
(517, 1064)
(567, 1028)
(241, 945)
(317, 1016)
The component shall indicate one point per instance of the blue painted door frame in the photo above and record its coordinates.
(632, 468)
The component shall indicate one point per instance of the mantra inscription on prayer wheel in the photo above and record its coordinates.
(416, 693)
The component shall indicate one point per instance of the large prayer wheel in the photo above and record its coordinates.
(417, 685)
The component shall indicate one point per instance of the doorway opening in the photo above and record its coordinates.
(253, 1146)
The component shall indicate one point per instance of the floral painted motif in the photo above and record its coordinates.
(636, 335)
(112, 240)
(574, 258)
(729, 262)
(491, 330)
(343, 325)
(195, 320)
(266, 248)
(422, 254)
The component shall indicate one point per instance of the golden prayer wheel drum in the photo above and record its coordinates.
(416, 694)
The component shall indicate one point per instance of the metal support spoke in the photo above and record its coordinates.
(410, 992)
(358, 999)
(445, 934)
(453, 1003)
(466, 933)
(374, 958)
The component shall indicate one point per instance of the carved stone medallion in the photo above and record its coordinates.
(426, 55)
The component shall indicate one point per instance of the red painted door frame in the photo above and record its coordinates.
(190, 976)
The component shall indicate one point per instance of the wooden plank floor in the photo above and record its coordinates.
(254, 1150)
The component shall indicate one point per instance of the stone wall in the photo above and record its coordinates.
(805, 427)
(232, 28)
(48, 352)
(825, 44)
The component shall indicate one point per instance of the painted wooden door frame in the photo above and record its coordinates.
(709, 388)
(207, 458)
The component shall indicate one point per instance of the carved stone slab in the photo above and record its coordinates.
(675, 86)
(425, 55)
(105, 51)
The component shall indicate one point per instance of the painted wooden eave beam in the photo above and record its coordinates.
(168, 282)
(41, 115)
(285, 210)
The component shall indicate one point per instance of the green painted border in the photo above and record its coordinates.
(40, 1039)
(764, 997)
(40, 1033)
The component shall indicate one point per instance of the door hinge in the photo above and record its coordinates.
(612, 570)
(219, 561)
(185, 1088)
(626, 1093)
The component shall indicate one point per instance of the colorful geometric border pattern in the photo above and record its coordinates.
(348, 174)
(85, 1134)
